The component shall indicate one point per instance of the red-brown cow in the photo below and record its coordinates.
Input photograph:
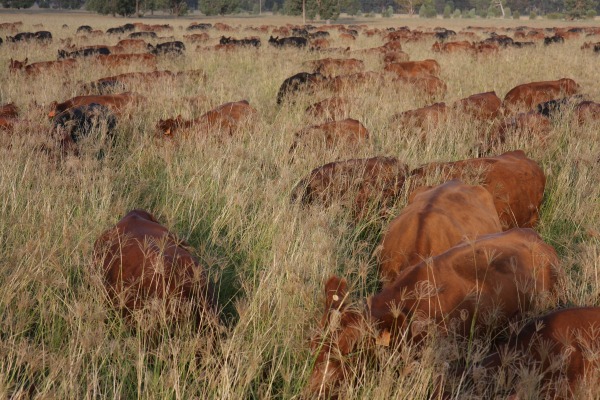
(62, 66)
(141, 260)
(116, 102)
(336, 66)
(424, 118)
(414, 69)
(436, 219)
(531, 125)
(472, 287)
(329, 109)
(516, 182)
(526, 96)
(359, 182)
(482, 106)
(349, 131)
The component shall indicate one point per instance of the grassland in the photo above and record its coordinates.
(230, 200)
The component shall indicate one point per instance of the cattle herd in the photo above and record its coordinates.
(462, 257)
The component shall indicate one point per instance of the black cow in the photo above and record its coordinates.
(303, 80)
(143, 35)
(548, 40)
(555, 107)
(500, 40)
(121, 29)
(84, 29)
(293, 41)
(519, 45)
(41, 36)
(84, 52)
(444, 34)
(254, 42)
(200, 27)
(77, 123)
(597, 48)
(300, 32)
(318, 34)
(176, 48)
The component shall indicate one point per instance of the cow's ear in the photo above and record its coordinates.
(336, 291)
(26, 60)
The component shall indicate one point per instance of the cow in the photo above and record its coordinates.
(428, 85)
(245, 42)
(530, 126)
(453, 47)
(319, 44)
(357, 183)
(347, 131)
(557, 348)
(481, 106)
(40, 36)
(84, 29)
(587, 111)
(122, 80)
(176, 48)
(474, 287)
(556, 107)
(425, 118)
(301, 81)
(329, 109)
(84, 52)
(414, 69)
(197, 37)
(292, 41)
(350, 82)
(8, 116)
(115, 102)
(523, 98)
(63, 66)
(553, 39)
(228, 118)
(76, 123)
(398, 56)
(141, 261)
(133, 45)
(436, 219)
(198, 26)
(516, 182)
(334, 66)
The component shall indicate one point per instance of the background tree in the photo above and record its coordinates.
(579, 8)
(18, 4)
(218, 7)
(409, 6)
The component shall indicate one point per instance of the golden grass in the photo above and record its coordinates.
(230, 200)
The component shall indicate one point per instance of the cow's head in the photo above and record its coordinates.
(342, 329)
(17, 65)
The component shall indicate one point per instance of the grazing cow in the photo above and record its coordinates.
(197, 37)
(436, 219)
(329, 109)
(141, 261)
(424, 118)
(556, 107)
(553, 39)
(318, 35)
(335, 66)
(228, 118)
(84, 52)
(342, 83)
(468, 289)
(302, 81)
(430, 86)
(481, 106)
(41, 36)
(77, 123)
(292, 41)
(319, 44)
(357, 182)
(115, 102)
(8, 116)
(529, 126)
(118, 60)
(331, 133)
(520, 45)
(176, 48)
(500, 40)
(198, 26)
(128, 78)
(414, 69)
(445, 34)
(62, 66)
(558, 346)
(390, 57)
(245, 42)
(516, 182)
(133, 45)
(453, 47)
(84, 29)
(587, 111)
(524, 97)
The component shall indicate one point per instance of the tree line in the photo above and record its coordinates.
(331, 9)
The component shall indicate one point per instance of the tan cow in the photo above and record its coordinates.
(472, 287)
(435, 219)
(141, 261)
(516, 182)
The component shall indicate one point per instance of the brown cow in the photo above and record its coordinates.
(516, 182)
(424, 118)
(343, 83)
(336, 66)
(414, 69)
(116, 102)
(331, 133)
(62, 66)
(228, 117)
(526, 96)
(329, 109)
(473, 286)
(390, 57)
(587, 111)
(428, 85)
(130, 78)
(360, 182)
(141, 260)
(319, 44)
(436, 219)
(453, 47)
(531, 125)
(197, 37)
(481, 106)
(558, 347)
(8, 116)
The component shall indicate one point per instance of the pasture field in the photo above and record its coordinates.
(229, 198)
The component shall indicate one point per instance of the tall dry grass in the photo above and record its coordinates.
(229, 198)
